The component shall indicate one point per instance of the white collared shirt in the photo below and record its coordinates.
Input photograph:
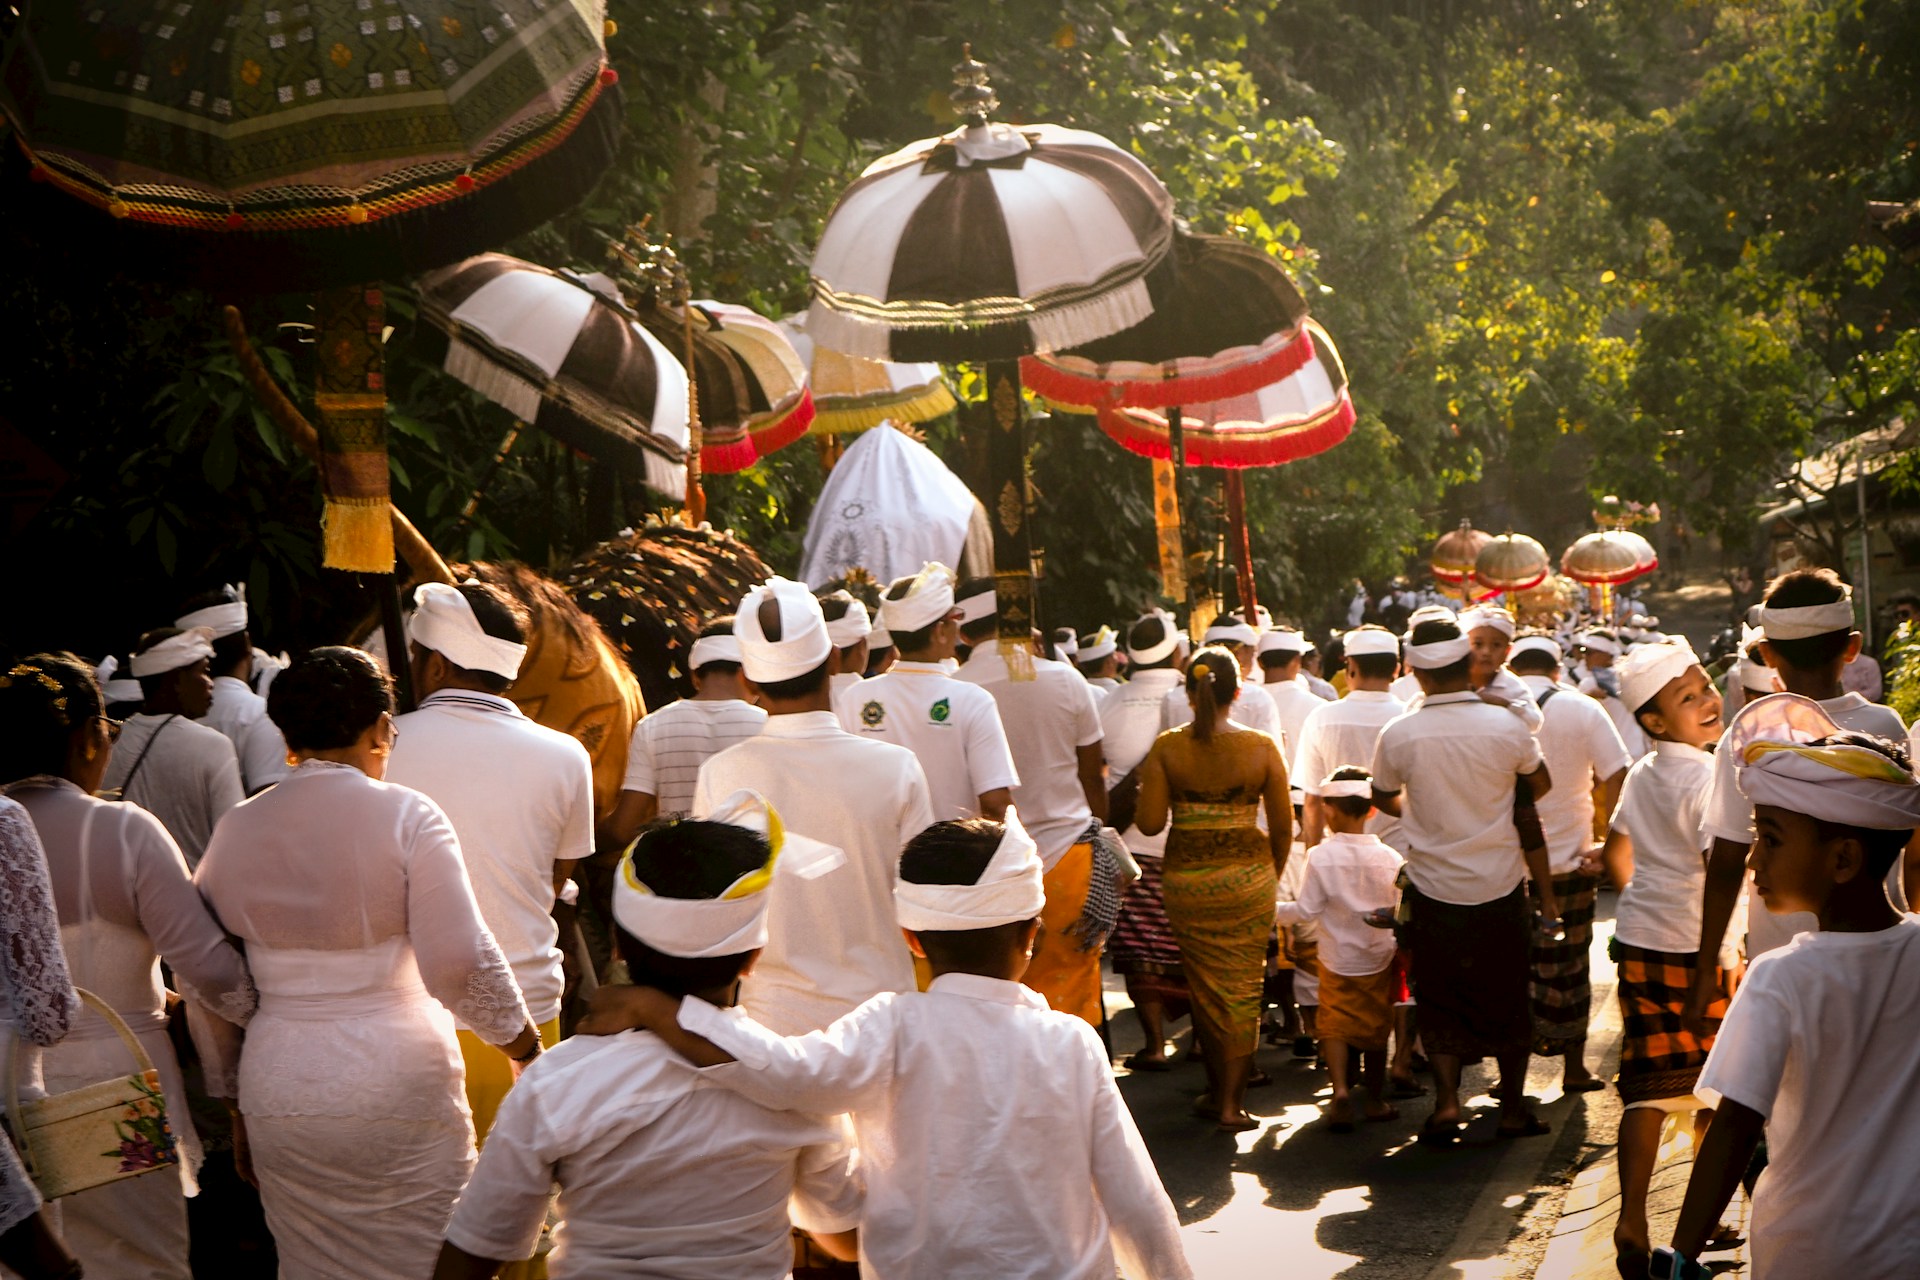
(1047, 719)
(1632, 736)
(951, 726)
(1457, 760)
(189, 780)
(1580, 744)
(832, 940)
(1336, 734)
(241, 714)
(1294, 700)
(520, 798)
(1347, 877)
(660, 1178)
(1661, 807)
(991, 1136)
(1729, 814)
(1130, 719)
(669, 746)
(1253, 708)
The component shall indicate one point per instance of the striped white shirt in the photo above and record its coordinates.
(670, 745)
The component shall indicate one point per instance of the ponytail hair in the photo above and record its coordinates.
(1213, 681)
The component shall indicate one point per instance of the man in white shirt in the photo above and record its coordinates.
(846, 803)
(850, 627)
(237, 710)
(1807, 622)
(952, 727)
(1407, 686)
(1456, 759)
(670, 744)
(1583, 752)
(1280, 653)
(179, 770)
(1099, 661)
(518, 794)
(1345, 732)
(661, 1178)
(1053, 728)
(1253, 707)
(1599, 649)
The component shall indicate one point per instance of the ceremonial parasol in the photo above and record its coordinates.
(1511, 562)
(1608, 559)
(1455, 554)
(779, 405)
(554, 351)
(852, 394)
(990, 243)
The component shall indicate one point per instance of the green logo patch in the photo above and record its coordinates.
(939, 711)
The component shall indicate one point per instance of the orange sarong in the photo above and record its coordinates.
(1067, 976)
(1357, 1011)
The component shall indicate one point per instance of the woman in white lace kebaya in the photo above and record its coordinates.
(365, 941)
(37, 1005)
(126, 901)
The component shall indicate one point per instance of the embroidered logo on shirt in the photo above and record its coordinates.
(939, 711)
(872, 714)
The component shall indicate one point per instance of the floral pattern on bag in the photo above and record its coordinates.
(146, 1140)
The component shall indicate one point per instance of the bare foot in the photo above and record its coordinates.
(1377, 1110)
(1340, 1114)
(1237, 1122)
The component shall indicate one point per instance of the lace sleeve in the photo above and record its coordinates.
(37, 993)
(460, 962)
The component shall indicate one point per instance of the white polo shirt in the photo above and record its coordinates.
(669, 746)
(1133, 715)
(241, 714)
(951, 726)
(1047, 719)
(520, 798)
(1336, 734)
(1457, 759)
(1294, 700)
(1580, 744)
(188, 780)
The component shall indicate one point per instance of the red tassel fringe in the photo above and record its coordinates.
(1064, 386)
(1208, 449)
(738, 455)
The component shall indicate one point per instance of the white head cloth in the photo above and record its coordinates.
(1357, 788)
(443, 621)
(1263, 617)
(1438, 653)
(1169, 639)
(983, 603)
(1429, 613)
(851, 627)
(1009, 890)
(1499, 619)
(1066, 643)
(698, 928)
(112, 690)
(223, 620)
(1853, 786)
(929, 598)
(1098, 645)
(1231, 630)
(1808, 620)
(879, 638)
(1646, 671)
(1283, 640)
(173, 653)
(1537, 644)
(1369, 642)
(803, 644)
(712, 649)
(1756, 677)
(1598, 642)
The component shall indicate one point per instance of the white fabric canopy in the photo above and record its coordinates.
(889, 507)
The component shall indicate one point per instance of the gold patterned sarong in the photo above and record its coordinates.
(1219, 887)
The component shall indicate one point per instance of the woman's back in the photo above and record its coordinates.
(1233, 767)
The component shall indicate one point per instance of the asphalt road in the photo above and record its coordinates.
(1295, 1199)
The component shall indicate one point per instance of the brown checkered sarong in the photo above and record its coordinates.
(1658, 1057)
(1562, 989)
(1470, 974)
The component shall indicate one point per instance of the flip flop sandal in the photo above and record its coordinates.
(1259, 1079)
(1533, 1128)
(1408, 1089)
(1140, 1062)
(1594, 1085)
(1242, 1125)
(1391, 1113)
(1723, 1237)
(1447, 1133)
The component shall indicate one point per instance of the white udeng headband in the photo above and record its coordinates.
(1009, 890)
(1537, 644)
(975, 607)
(698, 928)
(1646, 671)
(1169, 640)
(1283, 640)
(223, 619)
(1231, 633)
(804, 642)
(851, 627)
(1499, 619)
(1808, 620)
(173, 653)
(1598, 643)
(443, 621)
(1356, 788)
(712, 649)
(1438, 653)
(928, 599)
(1364, 644)
(1098, 645)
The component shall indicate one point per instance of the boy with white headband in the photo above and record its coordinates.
(1407, 687)
(660, 1176)
(849, 626)
(237, 710)
(519, 796)
(183, 772)
(1599, 649)
(1280, 654)
(1469, 928)
(671, 743)
(1652, 852)
(1806, 622)
(1099, 661)
(992, 1138)
(1749, 677)
(952, 727)
(832, 943)
(1818, 1046)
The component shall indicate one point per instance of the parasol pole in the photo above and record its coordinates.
(493, 468)
(696, 508)
(1177, 444)
(1242, 542)
(1007, 503)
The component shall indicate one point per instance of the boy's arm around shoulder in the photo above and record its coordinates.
(844, 1068)
(1140, 1216)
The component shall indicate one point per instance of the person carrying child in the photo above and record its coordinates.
(1654, 851)
(1819, 1046)
(992, 1139)
(1350, 890)
(659, 1176)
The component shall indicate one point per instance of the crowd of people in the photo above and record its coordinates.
(825, 981)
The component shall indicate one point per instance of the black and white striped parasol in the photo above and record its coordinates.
(555, 350)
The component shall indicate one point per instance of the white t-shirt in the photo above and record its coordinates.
(669, 746)
(1336, 734)
(520, 798)
(241, 714)
(1729, 814)
(1047, 719)
(1821, 1041)
(1458, 759)
(1293, 700)
(189, 780)
(1581, 746)
(1632, 736)
(660, 1178)
(951, 726)
(1347, 877)
(1660, 807)
(1130, 719)
(1406, 688)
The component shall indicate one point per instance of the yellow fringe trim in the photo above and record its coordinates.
(1018, 654)
(357, 535)
(833, 420)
